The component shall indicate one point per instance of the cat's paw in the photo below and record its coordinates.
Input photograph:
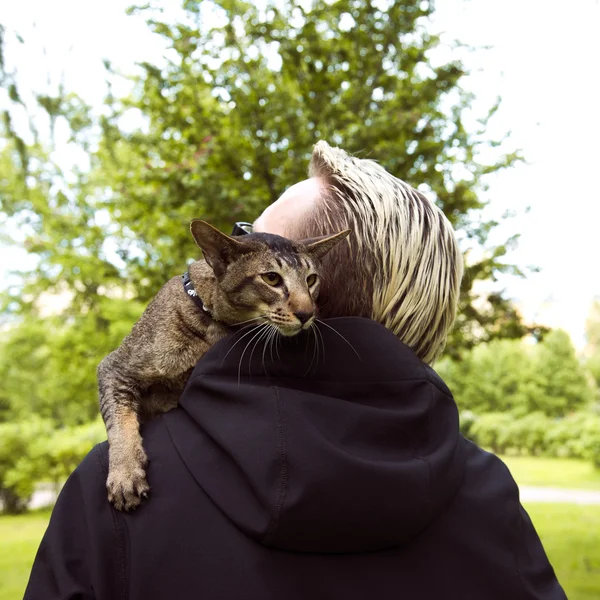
(127, 485)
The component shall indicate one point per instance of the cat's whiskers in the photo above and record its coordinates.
(269, 334)
(248, 321)
(277, 340)
(254, 328)
(273, 339)
(338, 333)
(318, 331)
(316, 334)
(306, 346)
(260, 328)
(263, 335)
(269, 342)
(315, 350)
(319, 355)
(318, 338)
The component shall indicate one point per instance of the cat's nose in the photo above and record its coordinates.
(303, 316)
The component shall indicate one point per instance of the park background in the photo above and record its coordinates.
(120, 127)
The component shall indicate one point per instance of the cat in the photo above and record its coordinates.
(251, 279)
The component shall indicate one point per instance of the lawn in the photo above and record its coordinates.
(553, 472)
(571, 537)
(19, 539)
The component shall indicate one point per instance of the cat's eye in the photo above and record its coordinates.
(311, 280)
(271, 278)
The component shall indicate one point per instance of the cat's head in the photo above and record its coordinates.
(265, 278)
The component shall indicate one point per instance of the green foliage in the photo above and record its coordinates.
(48, 365)
(560, 375)
(575, 436)
(232, 116)
(218, 130)
(34, 451)
(592, 333)
(526, 399)
(592, 325)
(492, 377)
(593, 366)
(15, 442)
(227, 121)
(513, 377)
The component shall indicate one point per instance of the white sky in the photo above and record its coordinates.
(545, 63)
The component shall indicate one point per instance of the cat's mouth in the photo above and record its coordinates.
(291, 328)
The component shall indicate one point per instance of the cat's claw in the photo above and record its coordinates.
(126, 489)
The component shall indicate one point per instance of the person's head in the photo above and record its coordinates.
(401, 266)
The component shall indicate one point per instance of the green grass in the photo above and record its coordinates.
(571, 537)
(19, 540)
(553, 472)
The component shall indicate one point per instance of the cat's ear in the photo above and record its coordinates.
(320, 246)
(218, 249)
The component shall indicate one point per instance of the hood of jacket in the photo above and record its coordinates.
(339, 440)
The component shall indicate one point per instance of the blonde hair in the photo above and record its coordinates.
(401, 267)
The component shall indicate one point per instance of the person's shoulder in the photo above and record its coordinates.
(488, 498)
(94, 465)
(482, 465)
(153, 434)
(90, 476)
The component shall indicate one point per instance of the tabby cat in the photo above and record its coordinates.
(258, 278)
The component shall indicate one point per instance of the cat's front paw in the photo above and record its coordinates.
(127, 485)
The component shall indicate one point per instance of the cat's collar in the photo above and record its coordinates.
(190, 290)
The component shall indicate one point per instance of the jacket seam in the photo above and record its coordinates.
(518, 534)
(417, 454)
(283, 472)
(122, 571)
(517, 545)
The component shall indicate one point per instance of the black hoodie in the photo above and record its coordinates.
(334, 470)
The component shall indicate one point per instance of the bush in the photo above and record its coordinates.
(16, 441)
(34, 451)
(512, 376)
(590, 440)
(491, 431)
(575, 436)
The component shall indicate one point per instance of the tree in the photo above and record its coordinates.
(561, 376)
(48, 365)
(574, 436)
(15, 440)
(229, 120)
(48, 362)
(495, 377)
(592, 334)
(34, 451)
(508, 376)
(224, 125)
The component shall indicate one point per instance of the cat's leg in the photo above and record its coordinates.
(124, 398)
(119, 404)
(124, 377)
(126, 482)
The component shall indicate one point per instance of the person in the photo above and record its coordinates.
(337, 472)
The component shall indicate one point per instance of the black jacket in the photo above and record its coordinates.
(347, 478)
